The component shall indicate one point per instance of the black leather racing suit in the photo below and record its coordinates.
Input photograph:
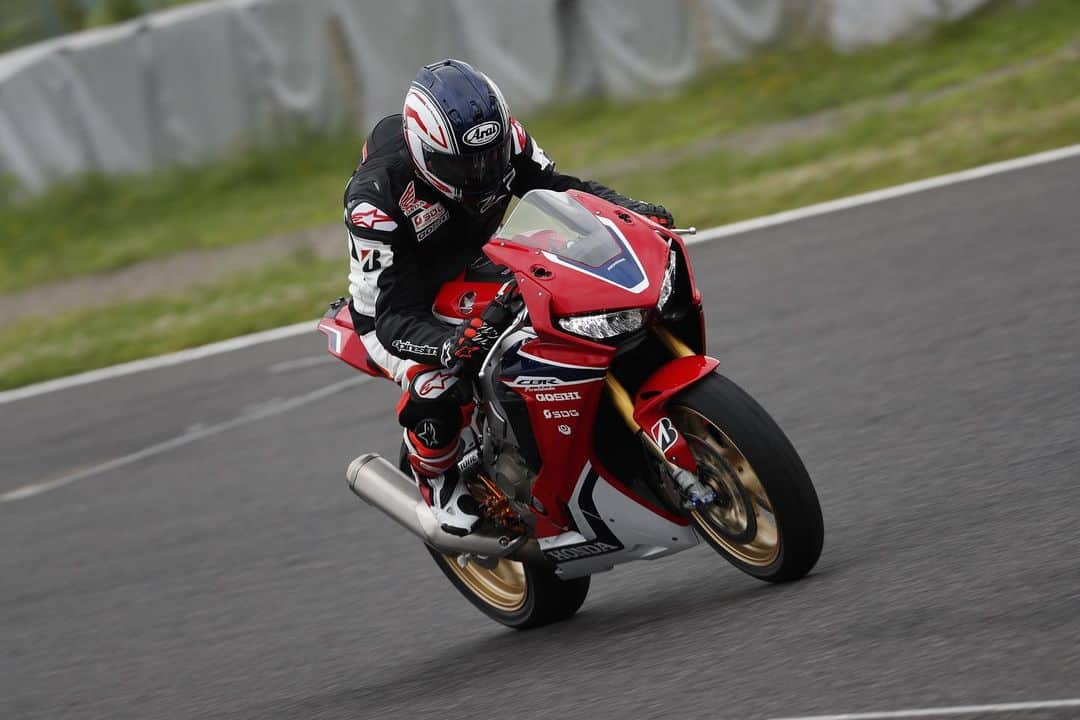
(406, 239)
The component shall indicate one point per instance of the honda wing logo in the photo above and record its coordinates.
(664, 433)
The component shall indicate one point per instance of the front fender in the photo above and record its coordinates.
(650, 405)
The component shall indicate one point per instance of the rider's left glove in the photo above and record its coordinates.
(657, 213)
(472, 340)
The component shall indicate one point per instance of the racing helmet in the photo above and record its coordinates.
(457, 129)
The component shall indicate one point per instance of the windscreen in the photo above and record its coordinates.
(558, 224)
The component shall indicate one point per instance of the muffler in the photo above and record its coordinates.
(377, 482)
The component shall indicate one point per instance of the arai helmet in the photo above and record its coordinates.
(457, 129)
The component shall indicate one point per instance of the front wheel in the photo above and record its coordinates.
(767, 521)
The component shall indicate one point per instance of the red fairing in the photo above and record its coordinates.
(650, 404)
(563, 419)
(345, 344)
(563, 415)
(574, 292)
(461, 299)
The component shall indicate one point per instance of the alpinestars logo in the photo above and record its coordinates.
(435, 383)
(407, 347)
(366, 215)
(580, 551)
(428, 433)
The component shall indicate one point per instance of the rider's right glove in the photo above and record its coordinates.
(472, 340)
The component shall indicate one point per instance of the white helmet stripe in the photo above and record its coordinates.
(427, 118)
(504, 109)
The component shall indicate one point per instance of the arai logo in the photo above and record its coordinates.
(481, 134)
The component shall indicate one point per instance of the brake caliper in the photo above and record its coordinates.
(695, 495)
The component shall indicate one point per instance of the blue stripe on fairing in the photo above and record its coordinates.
(622, 269)
(515, 365)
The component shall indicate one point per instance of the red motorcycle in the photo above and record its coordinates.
(603, 433)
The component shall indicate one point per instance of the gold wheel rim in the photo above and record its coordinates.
(502, 586)
(744, 526)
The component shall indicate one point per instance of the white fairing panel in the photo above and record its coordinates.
(614, 529)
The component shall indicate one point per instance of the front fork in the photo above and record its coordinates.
(647, 418)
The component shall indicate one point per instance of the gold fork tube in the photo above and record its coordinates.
(677, 347)
(620, 398)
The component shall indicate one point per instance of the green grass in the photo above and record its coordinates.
(95, 224)
(1036, 110)
(285, 293)
(1000, 117)
(794, 83)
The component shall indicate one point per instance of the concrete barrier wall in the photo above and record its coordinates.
(183, 85)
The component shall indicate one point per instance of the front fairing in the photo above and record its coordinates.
(553, 381)
(588, 254)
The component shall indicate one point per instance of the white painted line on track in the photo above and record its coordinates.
(301, 363)
(947, 711)
(876, 196)
(704, 236)
(194, 433)
(159, 361)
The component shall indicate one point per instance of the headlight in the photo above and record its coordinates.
(668, 285)
(604, 325)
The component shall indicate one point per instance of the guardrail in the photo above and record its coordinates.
(183, 85)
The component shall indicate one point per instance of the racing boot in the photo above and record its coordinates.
(441, 485)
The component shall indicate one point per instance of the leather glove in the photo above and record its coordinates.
(657, 213)
(472, 340)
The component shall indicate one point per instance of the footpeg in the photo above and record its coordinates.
(455, 530)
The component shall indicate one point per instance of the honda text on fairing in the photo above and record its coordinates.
(603, 433)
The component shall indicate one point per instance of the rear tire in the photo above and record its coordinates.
(543, 599)
(770, 524)
(516, 594)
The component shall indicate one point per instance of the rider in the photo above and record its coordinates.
(432, 186)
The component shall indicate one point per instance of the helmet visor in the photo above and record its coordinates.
(472, 172)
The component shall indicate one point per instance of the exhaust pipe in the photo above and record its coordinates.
(375, 481)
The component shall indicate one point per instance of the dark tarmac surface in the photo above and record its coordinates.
(923, 354)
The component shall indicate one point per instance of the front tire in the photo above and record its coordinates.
(768, 523)
(513, 593)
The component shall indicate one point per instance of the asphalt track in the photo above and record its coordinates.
(923, 354)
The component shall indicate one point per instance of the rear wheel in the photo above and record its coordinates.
(516, 594)
(768, 520)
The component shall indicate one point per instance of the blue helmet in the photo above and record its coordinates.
(457, 129)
